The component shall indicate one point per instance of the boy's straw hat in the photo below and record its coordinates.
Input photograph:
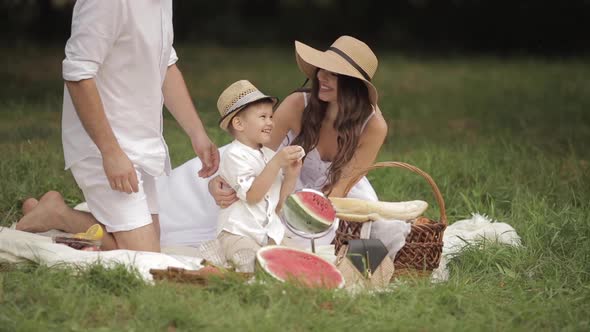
(236, 97)
(347, 56)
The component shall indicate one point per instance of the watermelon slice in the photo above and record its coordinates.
(309, 212)
(302, 267)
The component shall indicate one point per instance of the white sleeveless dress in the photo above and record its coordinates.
(188, 213)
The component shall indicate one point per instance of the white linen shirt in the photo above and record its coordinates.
(239, 166)
(126, 45)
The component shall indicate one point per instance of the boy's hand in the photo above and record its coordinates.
(293, 169)
(120, 172)
(207, 151)
(288, 155)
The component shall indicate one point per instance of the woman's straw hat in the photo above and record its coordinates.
(347, 56)
(236, 97)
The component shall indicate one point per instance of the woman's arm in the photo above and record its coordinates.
(287, 117)
(221, 192)
(370, 143)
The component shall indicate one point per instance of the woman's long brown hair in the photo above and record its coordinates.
(354, 108)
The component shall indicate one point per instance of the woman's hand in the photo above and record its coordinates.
(222, 193)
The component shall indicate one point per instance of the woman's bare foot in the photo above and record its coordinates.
(28, 205)
(45, 215)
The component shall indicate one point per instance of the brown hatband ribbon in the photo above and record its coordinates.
(351, 61)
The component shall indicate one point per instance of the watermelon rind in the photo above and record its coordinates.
(302, 196)
(264, 263)
(303, 219)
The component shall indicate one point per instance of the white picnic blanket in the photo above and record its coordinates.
(17, 246)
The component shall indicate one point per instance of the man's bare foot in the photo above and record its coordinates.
(45, 215)
(28, 205)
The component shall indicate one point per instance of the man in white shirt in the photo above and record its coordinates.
(120, 68)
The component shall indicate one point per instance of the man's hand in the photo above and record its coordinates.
(120, 172)
(180, 104)
(208, 153)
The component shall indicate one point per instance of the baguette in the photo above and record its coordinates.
(363, 210)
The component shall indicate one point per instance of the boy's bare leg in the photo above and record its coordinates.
(51, 212)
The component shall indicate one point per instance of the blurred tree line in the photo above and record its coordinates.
(498, 26)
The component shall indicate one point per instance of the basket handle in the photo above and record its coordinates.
(439, 199)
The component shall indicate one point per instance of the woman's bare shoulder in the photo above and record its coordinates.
(377, 125)
(293, 104)
(291, 109)
(287, 117)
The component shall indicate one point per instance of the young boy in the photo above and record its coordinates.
(261, 178)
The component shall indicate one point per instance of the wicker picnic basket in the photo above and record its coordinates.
(423, 248)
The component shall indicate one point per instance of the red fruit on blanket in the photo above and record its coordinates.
(288, 264)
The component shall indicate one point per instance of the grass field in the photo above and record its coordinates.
(506, 137)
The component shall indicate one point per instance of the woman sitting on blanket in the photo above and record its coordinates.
(337, 122)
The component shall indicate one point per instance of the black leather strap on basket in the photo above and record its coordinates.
(366, 254)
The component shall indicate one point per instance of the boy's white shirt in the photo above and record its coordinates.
(239, 166)
(127, 47)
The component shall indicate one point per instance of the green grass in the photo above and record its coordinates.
(508, 137)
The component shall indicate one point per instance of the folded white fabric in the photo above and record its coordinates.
(18, 246)
(472, 231)
(392, 233)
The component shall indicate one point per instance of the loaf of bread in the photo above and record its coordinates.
(353, 209)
